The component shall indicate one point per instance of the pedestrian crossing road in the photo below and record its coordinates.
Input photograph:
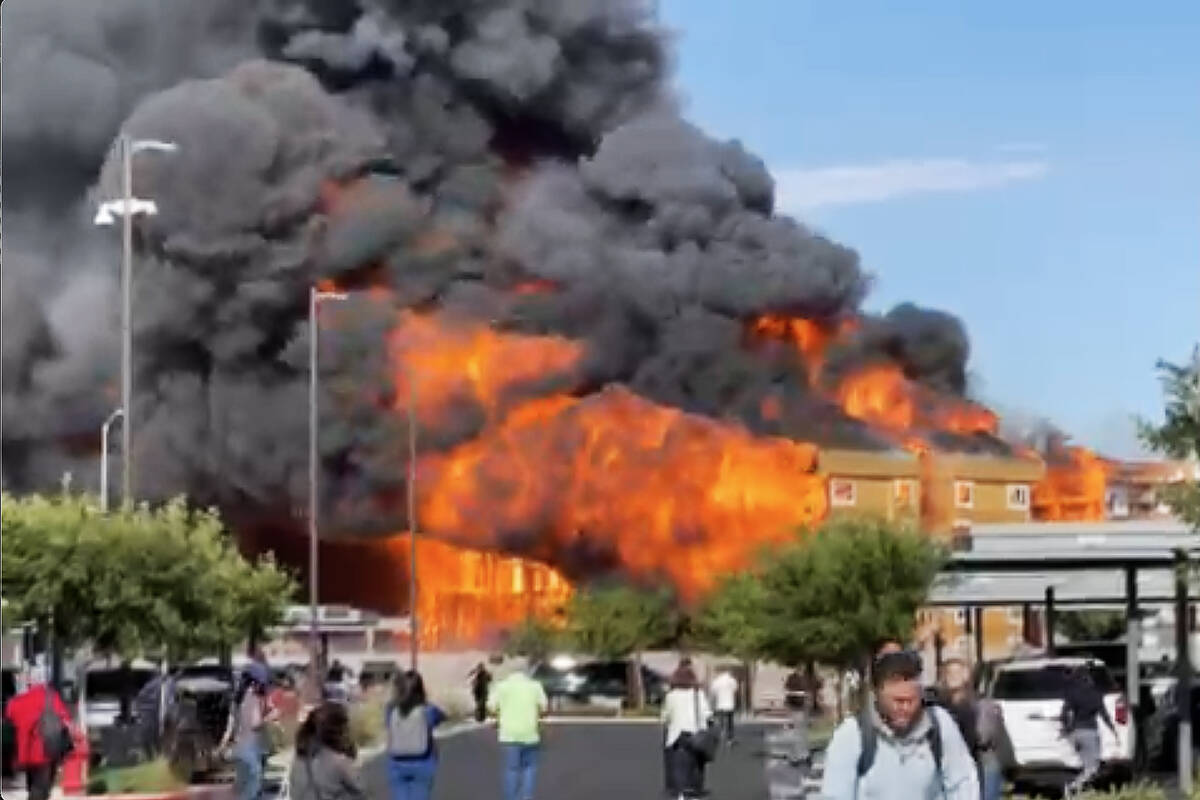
(593, 762)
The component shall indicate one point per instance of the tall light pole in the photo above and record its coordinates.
(414, 630)
(126, 208)
(315, 297)
(113, 417)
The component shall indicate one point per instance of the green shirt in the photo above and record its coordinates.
(518, 702)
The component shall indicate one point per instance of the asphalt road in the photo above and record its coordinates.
(597, 761)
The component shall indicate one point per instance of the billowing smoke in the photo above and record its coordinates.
(446, 150)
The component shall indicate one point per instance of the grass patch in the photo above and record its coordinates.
(153, 776)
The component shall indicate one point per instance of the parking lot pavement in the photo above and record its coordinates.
(586, 762)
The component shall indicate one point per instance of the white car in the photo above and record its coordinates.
(1030, 694)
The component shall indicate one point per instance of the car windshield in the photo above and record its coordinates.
(107, 684)
(1045, 683)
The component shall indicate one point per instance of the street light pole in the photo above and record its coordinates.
(127, 322)
(113, 417)
(314, 299)
(127, 206)
(414, 630)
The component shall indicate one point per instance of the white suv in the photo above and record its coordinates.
(1030, 694)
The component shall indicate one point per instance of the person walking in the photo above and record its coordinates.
(686, 715)
(41, 724)
(1083, 710)
(724, 696)
(481, 683)
(958, 697)
(796, 699)
(410, 720)
(247, 732)
(324, 767)
(897, 747)
(519, 702)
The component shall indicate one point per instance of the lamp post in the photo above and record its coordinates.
(315, 298)
(414, 629)
(113, 417)
(127, 207)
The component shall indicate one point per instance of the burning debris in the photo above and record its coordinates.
(620, 356)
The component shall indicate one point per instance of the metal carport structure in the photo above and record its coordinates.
(1123, 564)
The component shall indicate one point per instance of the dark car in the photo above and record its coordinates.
(610, 679)
(1162, 729)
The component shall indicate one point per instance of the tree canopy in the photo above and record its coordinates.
(165, 580)
(1178, 435)
(827, 597)
(533, 638)
(617, 621)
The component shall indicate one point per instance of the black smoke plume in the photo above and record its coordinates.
(331, 140)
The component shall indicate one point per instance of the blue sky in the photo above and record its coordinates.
(1032, 167)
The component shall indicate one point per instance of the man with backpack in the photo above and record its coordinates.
(42, 727)
(898, 747)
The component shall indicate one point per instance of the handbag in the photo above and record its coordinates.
(703, 742)
(56, 736)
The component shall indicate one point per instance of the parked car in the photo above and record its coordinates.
(1161, 729)
(103, 689)
(1031, 694)
(610, 680)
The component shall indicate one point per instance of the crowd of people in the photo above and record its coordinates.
(909, 740)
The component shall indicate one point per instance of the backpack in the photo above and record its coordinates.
(55, 736)
(408, 734)
(870, 742)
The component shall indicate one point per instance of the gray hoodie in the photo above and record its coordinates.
(904, 767)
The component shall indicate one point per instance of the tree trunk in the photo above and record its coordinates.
(125, 715)
(636, 685)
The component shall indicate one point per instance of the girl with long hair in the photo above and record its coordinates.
(324, 766)
(410, 720)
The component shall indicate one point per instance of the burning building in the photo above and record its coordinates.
(617, 356)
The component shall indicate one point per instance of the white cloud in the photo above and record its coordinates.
(799, 190)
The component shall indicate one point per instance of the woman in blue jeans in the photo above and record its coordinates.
(409, 721)
(247, 730)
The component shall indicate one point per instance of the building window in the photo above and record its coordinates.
(964, 494)
(842, 492)
(905, 492)
(1018, 496)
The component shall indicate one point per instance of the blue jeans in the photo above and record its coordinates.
(991, 779)
(411, 779)
(248, 774)
(520, 770)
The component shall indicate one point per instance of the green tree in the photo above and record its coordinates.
(533, 638)
(833, 593)
(145, 581)
(1178, 436)
(732, 618)
(620, 621)
(1091, 625)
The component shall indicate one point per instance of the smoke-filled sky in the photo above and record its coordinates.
(447, 153)
(1031, 167)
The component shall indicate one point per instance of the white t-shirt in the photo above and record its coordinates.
(684, 711)
(724, 692)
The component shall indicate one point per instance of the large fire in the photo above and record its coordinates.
(1073, 488)
(468, 596)
(616, 481)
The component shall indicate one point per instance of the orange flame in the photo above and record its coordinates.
(452, 361)
(467, 596)
(882, 396)
(1072, 490)
(619, 480)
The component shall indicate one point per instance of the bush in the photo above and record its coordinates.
(153, 776)
(366, 718)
